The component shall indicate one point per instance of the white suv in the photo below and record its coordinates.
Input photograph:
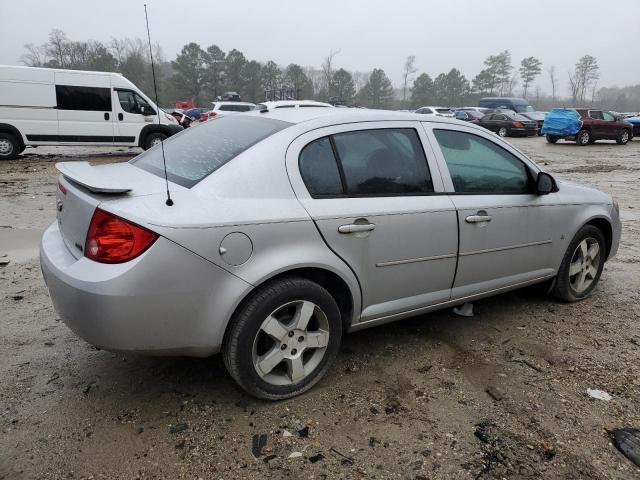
(219, 109)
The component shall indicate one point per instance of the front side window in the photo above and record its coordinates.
(92, 99)
(198, 152)
(608, 117)
(131, 102)
(478, 165)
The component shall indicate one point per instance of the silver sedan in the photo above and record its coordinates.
(287, 228)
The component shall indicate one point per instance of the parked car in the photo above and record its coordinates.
(468, 115)
(475, 109)
(225, 108)
(46, 106)
(635, 122)
(292, 226)
(518, 105)
(291, 104)
(509, 124)
(438, 111)
(537, 117)
(595, 125)
(229, 97)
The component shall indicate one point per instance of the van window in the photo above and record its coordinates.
(197, 152)
(131, 102)
(93, 99)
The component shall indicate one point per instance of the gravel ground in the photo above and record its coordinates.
(499, 395)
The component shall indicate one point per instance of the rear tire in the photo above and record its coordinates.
(581, 265)
(9, 146)
(502, 131)
(624, 137)
(552, 139)
(583, 138)
(154, 139)
(270, 351)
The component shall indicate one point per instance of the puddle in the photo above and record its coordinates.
(20, 245)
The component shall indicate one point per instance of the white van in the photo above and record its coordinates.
(44, 106)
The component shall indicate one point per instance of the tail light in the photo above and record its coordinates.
(212, 114)
(112, 239)
(518, 124)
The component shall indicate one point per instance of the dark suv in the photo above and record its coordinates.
(598, 125)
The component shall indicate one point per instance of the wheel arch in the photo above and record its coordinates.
(8, 128)
(152, 128)
(604, 225)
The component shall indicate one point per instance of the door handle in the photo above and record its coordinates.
(120, 117)
(478, 218)
(106, 116)
(356, 227)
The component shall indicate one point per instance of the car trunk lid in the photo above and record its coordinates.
(82, 187)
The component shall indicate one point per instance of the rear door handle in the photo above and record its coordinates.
(120, 117)
(355, 227)
(106, 116)
(478, 218)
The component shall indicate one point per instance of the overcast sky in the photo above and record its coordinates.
(369, 33)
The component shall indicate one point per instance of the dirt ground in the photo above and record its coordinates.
(499, 395)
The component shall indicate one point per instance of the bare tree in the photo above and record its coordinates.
(327, 70)
(530, 68)
(409, 69)
(36, 55)
(553, 78)
(58, 47)
(585, 74)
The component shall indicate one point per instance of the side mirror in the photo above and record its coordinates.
(544, 183)
(147, 110)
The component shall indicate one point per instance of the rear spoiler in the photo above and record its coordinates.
(93, 178)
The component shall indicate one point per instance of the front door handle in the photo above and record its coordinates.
(120, 117)
(478, 218)
(355, 227)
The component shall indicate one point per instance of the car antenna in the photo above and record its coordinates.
(169, 202)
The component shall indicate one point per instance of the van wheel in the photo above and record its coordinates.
(552, 139)
(583, 138)
(283, 339)
(623, 138)
(581, 266)
(9, 146)
(154, 139)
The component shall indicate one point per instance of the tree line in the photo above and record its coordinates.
(203, 73)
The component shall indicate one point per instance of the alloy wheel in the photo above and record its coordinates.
(6, 147)
(291, 343)
(584, 265)
(502, 132)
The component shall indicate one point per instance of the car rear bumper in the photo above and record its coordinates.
(168, 301)
(525, 132)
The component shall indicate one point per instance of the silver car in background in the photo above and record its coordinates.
(292, 226)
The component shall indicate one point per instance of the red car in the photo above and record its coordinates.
(599, 125)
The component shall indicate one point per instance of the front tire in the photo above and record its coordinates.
(583, 138)
(623, 138)
(581, 265)
(283, 339)
(154, 139)
(9, 146)
(552, 139)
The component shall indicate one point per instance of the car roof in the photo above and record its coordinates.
(286, 103)
(334, 116)
(232, 103)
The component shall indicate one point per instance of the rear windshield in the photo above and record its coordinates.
(201, 150)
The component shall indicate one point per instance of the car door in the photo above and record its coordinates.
(132, 114)
(84, 107)
(598, 126)
(377, 203)
(505, 229)
(610, 126)
(490, 121)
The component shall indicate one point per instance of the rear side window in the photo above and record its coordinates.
(596, 114)
(478, 165)
(200, 151)
(377, 162)
(93, 99)
(235, 108)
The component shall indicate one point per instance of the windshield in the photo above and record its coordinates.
(201, 150)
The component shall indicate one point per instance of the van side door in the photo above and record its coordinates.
(85, 115)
